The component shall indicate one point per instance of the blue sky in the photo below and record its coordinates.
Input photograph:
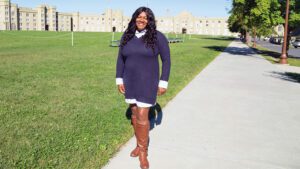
(205, 8)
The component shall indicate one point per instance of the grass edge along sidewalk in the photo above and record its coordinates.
(59, 107)
(273, 56)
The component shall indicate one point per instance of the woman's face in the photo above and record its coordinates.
(141, 21)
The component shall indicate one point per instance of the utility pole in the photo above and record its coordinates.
(283, 57)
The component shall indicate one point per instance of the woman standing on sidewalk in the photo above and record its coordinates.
(137, 74)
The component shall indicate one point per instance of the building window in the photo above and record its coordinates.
(219, 21)
(33, 15)
(27, 14)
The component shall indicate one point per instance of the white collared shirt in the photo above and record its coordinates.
(141, 33)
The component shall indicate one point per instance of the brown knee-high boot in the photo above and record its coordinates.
(142, 133)
(135, 152)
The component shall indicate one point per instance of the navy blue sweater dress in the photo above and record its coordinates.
(138, 66)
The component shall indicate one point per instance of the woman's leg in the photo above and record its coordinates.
(134, 110)
(142, 134)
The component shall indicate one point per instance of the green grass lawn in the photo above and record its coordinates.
(59, 105)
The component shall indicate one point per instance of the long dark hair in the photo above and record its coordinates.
(150, 36)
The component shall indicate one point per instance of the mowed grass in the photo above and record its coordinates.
(59, 105)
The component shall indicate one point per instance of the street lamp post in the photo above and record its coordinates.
(283, 57)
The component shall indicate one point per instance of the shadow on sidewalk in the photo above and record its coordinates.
(155, 115)
(289, 76)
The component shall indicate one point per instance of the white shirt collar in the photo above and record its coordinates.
(140, 34)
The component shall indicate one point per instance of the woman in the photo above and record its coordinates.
(137, 74)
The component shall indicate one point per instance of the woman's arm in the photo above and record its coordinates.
(119, 72)
(164, 51)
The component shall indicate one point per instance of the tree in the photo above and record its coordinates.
(236, 21)
(259, 17)
(294, 17)
(256, 16)
(264, 15)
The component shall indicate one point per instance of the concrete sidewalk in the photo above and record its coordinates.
(240, 112)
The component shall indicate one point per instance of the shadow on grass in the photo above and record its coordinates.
(289, 76)
(155, 115)
(232, 50)
(272, 54)
(219, 38)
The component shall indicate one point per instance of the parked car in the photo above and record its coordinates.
(266, 38)
(296, 43)
(276, 40)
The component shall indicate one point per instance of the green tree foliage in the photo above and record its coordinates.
(259, 17)
(238, 19)
(294, 15)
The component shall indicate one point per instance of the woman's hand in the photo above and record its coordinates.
(161, 91)
(121, 88)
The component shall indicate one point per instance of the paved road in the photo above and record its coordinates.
(240, 112)
(277, 48)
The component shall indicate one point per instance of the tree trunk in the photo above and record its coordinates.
(254, 36)
(248, 38)
(288, 42)
(288, 45)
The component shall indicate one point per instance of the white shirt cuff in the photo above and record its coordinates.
(163, 84)
(119, 81)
